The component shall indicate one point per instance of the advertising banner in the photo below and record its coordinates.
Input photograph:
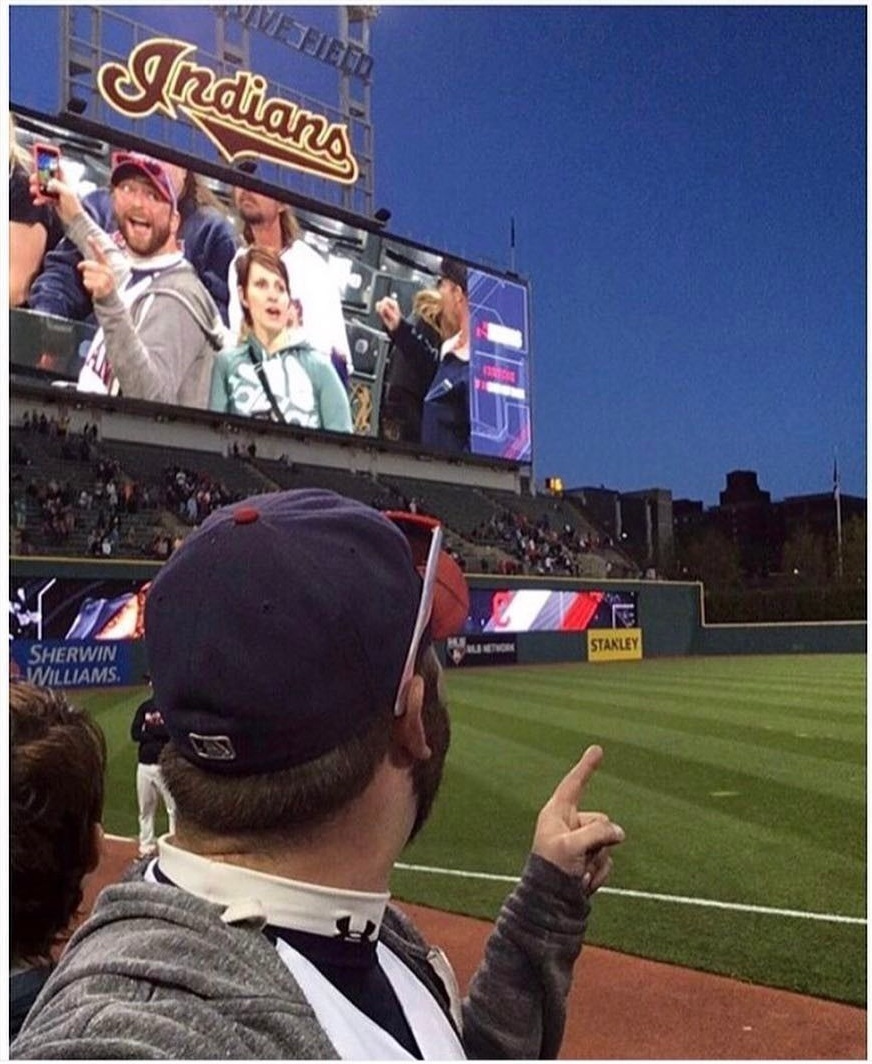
(625, 645)
(543, 610)
(462, 651)
(72, 663)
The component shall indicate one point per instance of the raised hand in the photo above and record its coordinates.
(388, 310)
(578, 842)
(97, 275)
(62, 198)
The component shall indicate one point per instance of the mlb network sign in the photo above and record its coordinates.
(614, 644)
(71, 662)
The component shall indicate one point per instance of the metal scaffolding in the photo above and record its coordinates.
(92, 36)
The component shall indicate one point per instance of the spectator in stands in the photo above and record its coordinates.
(25, 547)
(276, 374)
(159, 327)
(33, 229)
(18, 455)
(205, 237)
(445, 422)
(57, 762)
(263, 927)
(413, 360)
(272, 225)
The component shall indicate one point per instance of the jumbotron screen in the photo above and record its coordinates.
(345, 275)
(53, 608)
(543, 610)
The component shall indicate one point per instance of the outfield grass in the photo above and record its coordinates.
(739, 780)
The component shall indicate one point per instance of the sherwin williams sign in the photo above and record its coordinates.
(624, 644)
(72, 663)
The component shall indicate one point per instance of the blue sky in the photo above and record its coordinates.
(689, 192)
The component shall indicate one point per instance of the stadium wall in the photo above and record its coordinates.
(672, 622)
(669, 615)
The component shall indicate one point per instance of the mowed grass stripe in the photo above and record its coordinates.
(827, 686)
(684, 837)
(836, 771)
(793, 708)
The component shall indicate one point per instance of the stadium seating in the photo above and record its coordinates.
(459, 506)
(489, 531)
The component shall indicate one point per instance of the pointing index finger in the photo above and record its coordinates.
(571, 787)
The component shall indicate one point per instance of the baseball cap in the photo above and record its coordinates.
(452, 270)
(127, 163)
(284, 624)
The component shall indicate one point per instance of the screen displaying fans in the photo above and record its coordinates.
(426, 349)
(73, 608)
(541, 610)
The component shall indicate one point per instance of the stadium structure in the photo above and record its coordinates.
(104, 486)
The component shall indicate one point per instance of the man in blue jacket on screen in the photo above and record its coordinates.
(445, 422)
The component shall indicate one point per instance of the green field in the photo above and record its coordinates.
(737, 780)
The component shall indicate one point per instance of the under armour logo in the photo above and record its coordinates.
(212, 747)
(343, 930)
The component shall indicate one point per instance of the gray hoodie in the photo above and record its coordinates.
(159, 328)
(156, 973)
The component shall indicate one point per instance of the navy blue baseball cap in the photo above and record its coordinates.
(280, 628)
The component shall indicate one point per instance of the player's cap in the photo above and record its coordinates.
(131, 163)
(285, 622)
(452, 270)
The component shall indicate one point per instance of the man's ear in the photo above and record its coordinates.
(175, 223)
(408, 731)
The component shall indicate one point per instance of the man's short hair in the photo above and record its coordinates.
(56, 781)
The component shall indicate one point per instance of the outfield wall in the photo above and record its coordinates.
(669, 623)
(672, 621)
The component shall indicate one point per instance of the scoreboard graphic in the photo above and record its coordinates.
(542, 610)
(499, 367)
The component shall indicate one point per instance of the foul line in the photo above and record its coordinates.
(676, 899)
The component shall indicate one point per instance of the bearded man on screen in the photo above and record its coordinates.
(159, 327)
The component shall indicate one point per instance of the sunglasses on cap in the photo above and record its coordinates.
(424, 536)
(151, 168)
(144, 161)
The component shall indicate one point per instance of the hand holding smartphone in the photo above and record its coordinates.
(47, 162)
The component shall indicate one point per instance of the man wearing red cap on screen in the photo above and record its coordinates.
(289, 640)
(159, 327)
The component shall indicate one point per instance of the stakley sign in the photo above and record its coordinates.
(614, 644)
(235, 112)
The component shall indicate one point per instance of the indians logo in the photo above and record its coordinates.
(456, 648)
(234, 112)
